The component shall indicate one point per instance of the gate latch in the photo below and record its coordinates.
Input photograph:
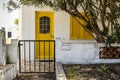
(20, 44)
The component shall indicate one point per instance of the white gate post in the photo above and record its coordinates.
(2, 48)
(12, 51)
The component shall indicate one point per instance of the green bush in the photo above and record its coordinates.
(115, 37)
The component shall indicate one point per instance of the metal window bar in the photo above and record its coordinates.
(29, 58)
(34, 58)
(39, 56)
(49, 56)
(29, 63)
(24, 57)
(54, 58)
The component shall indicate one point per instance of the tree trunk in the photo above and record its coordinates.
(100, 38)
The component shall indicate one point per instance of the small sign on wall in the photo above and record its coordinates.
(65, 47)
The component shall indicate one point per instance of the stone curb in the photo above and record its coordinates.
(60, 74)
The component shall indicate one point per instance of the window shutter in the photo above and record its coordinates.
(87, 36)
(77, 32)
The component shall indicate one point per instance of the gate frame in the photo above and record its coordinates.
(19, 51)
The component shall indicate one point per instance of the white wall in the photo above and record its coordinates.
(74, 52)
(61, 23)
(27, 20)
(67, 51)
(80, 52)
(7, 19)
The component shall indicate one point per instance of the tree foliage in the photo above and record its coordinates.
(102, 17)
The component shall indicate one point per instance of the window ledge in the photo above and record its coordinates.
(78, 41)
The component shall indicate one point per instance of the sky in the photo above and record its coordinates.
(7, 19)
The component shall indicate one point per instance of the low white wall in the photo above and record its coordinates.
(80, 52)
(9, 72)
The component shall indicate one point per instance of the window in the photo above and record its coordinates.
(77, 32)
(44, 24)
(9, 34)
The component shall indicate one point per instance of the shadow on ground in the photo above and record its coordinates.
(36, 76)
(93, 72)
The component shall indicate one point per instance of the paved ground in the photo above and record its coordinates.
(36, 66)
(36, 76)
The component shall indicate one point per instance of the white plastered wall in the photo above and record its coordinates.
(61, 23)
(67, 51)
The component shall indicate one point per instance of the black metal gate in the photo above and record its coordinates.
(28, 63)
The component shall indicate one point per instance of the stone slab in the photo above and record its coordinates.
(60, 74)
(8, 72)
